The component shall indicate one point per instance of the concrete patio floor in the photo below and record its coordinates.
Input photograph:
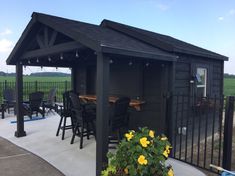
(67, 158)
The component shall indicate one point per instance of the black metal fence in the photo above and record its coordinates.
(201, 130)
(29, 87)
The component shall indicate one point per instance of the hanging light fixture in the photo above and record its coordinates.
(130, 63)
(29, 62)
(37, 60)
(77, 55)
(49, 58)
(61, 56)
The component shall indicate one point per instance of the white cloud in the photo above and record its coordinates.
(221, 18)
(6, 45)
(232, 12)
(162, 7)
(6, 32)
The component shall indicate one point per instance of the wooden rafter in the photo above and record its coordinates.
(52, 50)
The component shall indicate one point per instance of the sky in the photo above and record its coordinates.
(209, 24)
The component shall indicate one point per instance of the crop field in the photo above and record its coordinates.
(34, 78)
(229, 86)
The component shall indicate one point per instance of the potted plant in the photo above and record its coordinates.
(140, 153)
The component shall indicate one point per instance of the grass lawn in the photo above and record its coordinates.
(229, 86)
(35, 78)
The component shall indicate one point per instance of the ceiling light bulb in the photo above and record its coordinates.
(61, 56)
(130, 63)
(37, 60)
(77, 55)
(29, 62)
(49, 59)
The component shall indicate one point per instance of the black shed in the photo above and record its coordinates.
(120, 60)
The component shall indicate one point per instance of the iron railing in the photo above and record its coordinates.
(197, 126)
(29, 87)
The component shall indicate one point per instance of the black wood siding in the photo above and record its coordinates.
(137, 82)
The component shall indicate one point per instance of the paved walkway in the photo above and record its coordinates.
(15, 161)
(67, 158)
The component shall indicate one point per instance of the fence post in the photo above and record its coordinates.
(5, 86)
(36, 86)
(228, 132)
(66, 85)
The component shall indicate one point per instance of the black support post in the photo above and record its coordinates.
(74, 79)
(228, 133)
(19, 100)
(102, 91)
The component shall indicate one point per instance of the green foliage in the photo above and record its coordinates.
(140, 154)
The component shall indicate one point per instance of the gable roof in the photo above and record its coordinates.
(164, 42)
(96, 37)
(111, 37)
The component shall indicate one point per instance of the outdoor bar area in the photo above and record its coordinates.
(105, 65)
(123, 78)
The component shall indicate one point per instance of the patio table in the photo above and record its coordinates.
(136, 104)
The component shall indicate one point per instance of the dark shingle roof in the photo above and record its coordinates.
(101, 36)
(112, 37)
(165, 42)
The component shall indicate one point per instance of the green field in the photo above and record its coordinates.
(229, 86)
(34, 78)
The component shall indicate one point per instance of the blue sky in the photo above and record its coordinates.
(206, 23)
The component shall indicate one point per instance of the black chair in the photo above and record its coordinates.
(118, 119)
(84, 117)
(9, 97)
(34, 105)
(65, 112)
(50, 102)
(2, 110)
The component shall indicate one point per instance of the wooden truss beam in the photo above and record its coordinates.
(52, 50)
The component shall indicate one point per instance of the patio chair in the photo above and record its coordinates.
(2, 110)
(34, 104)
(50, 102)
(9, 99)
(83, 117)
(118, 119)
(65, 112)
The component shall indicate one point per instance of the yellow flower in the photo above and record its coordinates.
(126, 171)
(129, 136)
(170, 172)
(165, 153)
(144, 142)
(163, 138)
(151, 133)
(168, 149)
(142, 160)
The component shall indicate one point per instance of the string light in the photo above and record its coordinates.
(61, 56)
(37, 60)
(77, 55)
(49, 59)
(130, 63)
